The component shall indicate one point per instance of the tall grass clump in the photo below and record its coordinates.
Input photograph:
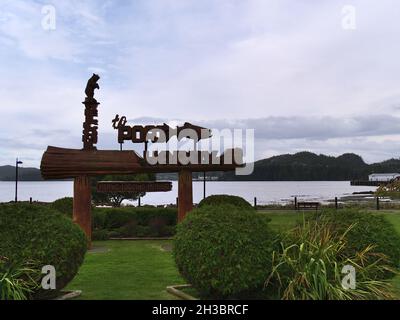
(309, 266)
(18, 281)
(367, 229)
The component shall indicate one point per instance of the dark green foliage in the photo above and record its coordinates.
(157, 225)
(118, 217)
(224, 251)
(63, 205)
(40, 234)
(368, 229)
(135, 221)
(100, 235)
(129, 229)
(99, 218)
(222, 199)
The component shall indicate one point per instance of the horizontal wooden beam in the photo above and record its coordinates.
(133, 186)
(62, 163)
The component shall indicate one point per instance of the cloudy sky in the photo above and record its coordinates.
(306, 75)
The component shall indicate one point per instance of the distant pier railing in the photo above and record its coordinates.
(368, 183)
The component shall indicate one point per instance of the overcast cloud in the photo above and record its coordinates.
(288, 69)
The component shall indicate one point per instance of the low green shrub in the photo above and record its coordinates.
(143, 231)
(224, 199)
(63, 205)
(224, 251)
(310, 262)
(113, 218)
(100, 235)
(40, 234)
(99, 219)
(113, 234)
(169, 231)
(129, 229)
(135, 221)
(157, 225)
(369, 229)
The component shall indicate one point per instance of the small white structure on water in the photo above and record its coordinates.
(383, 176)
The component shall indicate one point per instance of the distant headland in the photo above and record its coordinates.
(301, 166)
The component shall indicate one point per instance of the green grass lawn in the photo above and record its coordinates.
(287, 219)
(394, 217)
(142, 269)
(128, 270)
(284, 219)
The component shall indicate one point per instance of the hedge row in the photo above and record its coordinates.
(133, 222)
(146, 221)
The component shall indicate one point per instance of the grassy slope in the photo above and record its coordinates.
(142, 270)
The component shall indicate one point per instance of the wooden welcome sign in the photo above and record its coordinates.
(62, 163)
(157, 133)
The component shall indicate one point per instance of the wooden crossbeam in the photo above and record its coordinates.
(62, 163)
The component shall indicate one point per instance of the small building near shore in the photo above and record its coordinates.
(384, 177)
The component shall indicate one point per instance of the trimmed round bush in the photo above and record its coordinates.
(224, 251)
(40, 234)
(100, 235)
(63, 205)
(225, 199)
(367, 229)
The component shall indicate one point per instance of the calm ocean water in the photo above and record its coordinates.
(267, 192)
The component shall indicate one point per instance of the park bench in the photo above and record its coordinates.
(307, 205)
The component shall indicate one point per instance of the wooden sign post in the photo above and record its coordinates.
(82, 205)
(185, 193)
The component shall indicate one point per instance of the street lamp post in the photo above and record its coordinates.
(17, 162)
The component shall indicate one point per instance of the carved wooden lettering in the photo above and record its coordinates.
(90, 126)
(129, 186)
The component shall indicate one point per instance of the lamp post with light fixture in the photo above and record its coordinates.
(17, 162)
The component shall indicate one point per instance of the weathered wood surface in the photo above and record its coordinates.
(61, 163)
(185, 194)
(82, 205)
(133, 186)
